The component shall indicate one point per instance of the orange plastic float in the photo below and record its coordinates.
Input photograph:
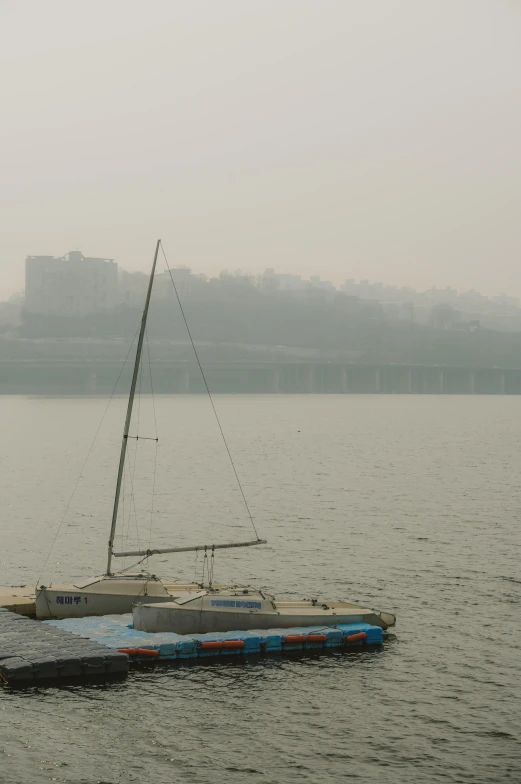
(215, 645)
(359, 637)
(233, 643)
(295, 639)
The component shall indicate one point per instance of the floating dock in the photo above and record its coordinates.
(31, 652)
(116, 632)
(105, 646)
(20, 599)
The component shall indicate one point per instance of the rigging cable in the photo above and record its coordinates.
(86, 460)
(195, 566)
(130, 467)
(124, 529)
(133, 468)
(205, 567)
(156, 439)
(127, 472)
(212, 564)
(130, 470)
(209, 393)
(132, 501)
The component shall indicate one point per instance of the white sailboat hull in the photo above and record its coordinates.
(158, 618)
(225, 611)
(50, 603)
(105, 596)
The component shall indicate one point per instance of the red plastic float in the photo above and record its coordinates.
(295, 639)
(359, 637)
(233, 643)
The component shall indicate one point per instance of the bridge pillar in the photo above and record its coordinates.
(441, 382)
(275, 380)
(472, 383)
(184, 382)
(378, 380)
(92, 383)
(343, 380)
(311, 380)
(409, 381)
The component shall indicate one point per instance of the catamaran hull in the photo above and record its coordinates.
(78, 604)
(166, 618)
(106, 595)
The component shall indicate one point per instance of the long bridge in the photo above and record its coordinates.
(64, 376)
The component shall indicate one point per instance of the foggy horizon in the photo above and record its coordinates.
(214, 273)
(332, 139)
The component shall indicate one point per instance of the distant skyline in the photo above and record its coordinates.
(345, 139)
(338, 284)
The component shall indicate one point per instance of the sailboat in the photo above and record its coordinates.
(117, 592)
(228, 609)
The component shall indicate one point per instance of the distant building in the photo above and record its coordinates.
(70, 285)
(283, 281)
(287, 282)
(315, 282)
(183, 279)
(11, 310)
(133, 286)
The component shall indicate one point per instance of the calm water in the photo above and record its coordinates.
(407, 503)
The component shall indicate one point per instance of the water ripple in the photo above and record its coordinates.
(408, 503)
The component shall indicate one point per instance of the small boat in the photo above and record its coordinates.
(167, 605)
(107, 595)
(231, 609)
(114, 592)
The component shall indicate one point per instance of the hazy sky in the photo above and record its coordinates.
(346, 138)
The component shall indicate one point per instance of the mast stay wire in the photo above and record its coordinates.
(132, 468)
(129, 472)
(209, 393)
(86, 460)
(132, 500)
(132, 464)
(156, 439)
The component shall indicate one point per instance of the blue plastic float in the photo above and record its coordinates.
(116, 632)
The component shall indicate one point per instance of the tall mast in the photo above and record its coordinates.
(129, 410)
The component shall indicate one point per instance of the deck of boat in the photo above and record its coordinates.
(289, 608)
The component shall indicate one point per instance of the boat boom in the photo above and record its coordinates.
(196, 548)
